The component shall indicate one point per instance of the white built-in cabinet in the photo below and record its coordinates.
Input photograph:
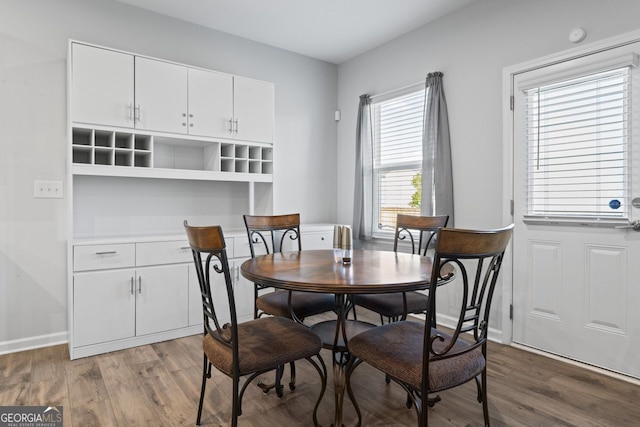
(119, 89)
(135, 122)
(137, 116)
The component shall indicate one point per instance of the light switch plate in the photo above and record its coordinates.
(47, 190)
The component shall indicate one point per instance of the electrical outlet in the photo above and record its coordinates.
(47, 189)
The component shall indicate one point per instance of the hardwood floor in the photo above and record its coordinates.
(159, 385)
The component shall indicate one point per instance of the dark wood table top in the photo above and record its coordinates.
(316, 271)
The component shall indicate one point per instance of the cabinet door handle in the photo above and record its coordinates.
(106, 253)
(136, 115)
(130, 112)
(132, 286)
(230, 125)
(184, 248)
(236, 123)
(139, 284)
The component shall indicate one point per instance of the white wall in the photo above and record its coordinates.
(471, 47)
(34, 38)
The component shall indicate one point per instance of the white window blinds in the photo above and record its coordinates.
(577, 134)
(397, 139)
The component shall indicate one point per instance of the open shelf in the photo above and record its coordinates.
(129, 149)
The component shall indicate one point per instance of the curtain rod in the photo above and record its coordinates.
(397, 90)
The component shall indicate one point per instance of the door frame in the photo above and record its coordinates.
(508, 75)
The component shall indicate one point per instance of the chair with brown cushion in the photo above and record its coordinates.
(419, 231)
(250, 348)
(270, 234)
(425, 359)
(276, 233)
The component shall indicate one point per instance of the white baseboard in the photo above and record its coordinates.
(30, 343)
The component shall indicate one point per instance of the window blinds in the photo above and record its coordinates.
(397, 139)
(578, 147)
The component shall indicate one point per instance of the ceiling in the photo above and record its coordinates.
(329, 30)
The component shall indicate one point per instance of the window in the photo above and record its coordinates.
(397, 123)
(578, 162)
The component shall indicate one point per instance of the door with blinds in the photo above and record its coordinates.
(576, 166)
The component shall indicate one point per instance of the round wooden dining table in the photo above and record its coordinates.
(316, 271)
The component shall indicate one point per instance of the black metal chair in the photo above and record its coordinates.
(270, 234)
(419, 231)
(250, 348)
(424, 359)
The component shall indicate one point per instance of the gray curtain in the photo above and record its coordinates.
(437, 176)
(363, 194)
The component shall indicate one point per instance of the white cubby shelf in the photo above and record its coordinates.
(103, 151)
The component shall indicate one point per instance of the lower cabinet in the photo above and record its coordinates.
(113, 305)
(129, 293)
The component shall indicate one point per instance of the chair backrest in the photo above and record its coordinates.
(269, 234)
(210, 257)
(426, 227)
(477, 258)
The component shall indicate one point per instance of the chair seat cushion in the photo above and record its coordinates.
(304, 304)
(391, 305)
(264, 344)
(396, 349)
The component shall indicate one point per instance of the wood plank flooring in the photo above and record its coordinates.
(159, 385)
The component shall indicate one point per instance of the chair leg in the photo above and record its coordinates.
(206, 373)
(292, 380)
(236, 410)
(485, 404)
(322, 370)
(352, 364)
(279, 388)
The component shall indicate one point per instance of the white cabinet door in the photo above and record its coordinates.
(195, 300)
(210, 103)
(102, 86)
(243, 291)
(161, 96)
(162, 298)
(103, 306)
(253, 108)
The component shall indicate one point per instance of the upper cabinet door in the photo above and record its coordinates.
(253, 110)
(210, 103)
(161, 96)
(102, 86)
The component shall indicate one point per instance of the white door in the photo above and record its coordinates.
(161, 96)
(576, 278)
(253, 108)
(162, 298)
(101, 86)
(210, 103)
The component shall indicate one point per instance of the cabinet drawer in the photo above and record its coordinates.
(100, 257)
(317, 240)
(241, 248)
(155, 253)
